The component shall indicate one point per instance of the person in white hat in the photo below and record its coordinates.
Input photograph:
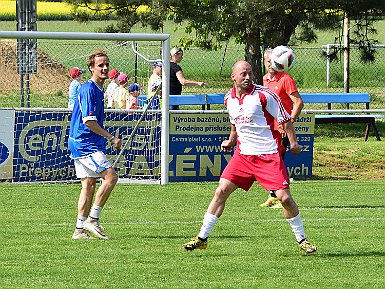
(154, 91)
(177, 79)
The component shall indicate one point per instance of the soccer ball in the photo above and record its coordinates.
(282, 58)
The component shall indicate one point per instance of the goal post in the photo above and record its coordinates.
(79, 55)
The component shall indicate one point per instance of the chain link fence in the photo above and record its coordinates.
(48, 87)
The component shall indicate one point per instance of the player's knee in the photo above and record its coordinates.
(222, 192)
(111, 178)
(114, 179)
(285, 197)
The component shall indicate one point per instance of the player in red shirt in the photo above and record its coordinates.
(252, 110)
(284, 86)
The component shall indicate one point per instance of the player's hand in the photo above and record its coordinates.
(281, 130)
(117, 142)
(295, 149)
(226, 145)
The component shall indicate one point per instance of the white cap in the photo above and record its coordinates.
(175, 50)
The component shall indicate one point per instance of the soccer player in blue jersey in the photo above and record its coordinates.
(87, 143)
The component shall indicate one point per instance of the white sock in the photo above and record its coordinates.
(80, 222)
(297, 227)
(209, 221)
(95, 211)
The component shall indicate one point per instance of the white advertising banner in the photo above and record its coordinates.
(7, 127)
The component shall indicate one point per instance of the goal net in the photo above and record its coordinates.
(35, 127)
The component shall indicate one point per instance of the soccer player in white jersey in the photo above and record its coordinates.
(252, 110)
(87, 143)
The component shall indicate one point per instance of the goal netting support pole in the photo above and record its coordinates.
(36, 142)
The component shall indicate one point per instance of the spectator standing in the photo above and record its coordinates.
(111, 87)
(73, 90)
(154, 82)
(87, 143)
(252, 110)
(121, 94)
(284, 86)
(177, 78)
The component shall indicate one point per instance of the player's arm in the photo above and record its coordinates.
(229, 143)
(295, 148)
(297, 104)
(185, 82)
(96, 128)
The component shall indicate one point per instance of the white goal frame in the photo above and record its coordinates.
(164, 38)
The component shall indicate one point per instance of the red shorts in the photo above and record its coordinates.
(268, 170)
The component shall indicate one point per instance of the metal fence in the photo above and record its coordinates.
(313, 71)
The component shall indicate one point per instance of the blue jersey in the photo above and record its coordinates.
(83, 141)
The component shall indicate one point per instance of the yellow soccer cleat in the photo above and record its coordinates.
(271, 201)
(307, 247)
(195, 243)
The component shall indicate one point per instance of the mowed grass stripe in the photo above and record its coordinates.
(250, 247)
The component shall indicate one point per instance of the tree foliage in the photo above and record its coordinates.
(254, 23)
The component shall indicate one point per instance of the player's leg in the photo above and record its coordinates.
(92, 223)
(271, 173)
(109, 181)
(272, 201)
(292, 215)
(100, 166)
(233, 176)
(88, 182)
(214, 211)
(84, 205)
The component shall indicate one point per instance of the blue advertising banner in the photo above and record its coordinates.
(39, 150)
(195, 147)
(301, 166)
(41, 146)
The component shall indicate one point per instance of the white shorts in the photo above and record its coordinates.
(91, 166)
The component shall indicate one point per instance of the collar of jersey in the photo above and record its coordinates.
(234, 95)
(97, 85)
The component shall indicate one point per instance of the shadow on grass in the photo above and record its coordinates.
(327, 178)
(184, 236)
(347, 130)
(353, 207)
(351, 254)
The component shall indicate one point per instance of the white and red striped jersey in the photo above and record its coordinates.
(253, 116)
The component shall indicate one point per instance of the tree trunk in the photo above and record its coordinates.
(253, 53)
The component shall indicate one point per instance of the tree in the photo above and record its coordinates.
(254, 23)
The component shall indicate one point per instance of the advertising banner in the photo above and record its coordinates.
(6, 143)
(41, 146)
(34, 146)
(195, 147)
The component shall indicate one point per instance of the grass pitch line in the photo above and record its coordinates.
(129, 223)
(340, 208)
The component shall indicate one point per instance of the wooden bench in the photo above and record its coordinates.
(333, 116)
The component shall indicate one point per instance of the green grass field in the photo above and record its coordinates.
(250, 247)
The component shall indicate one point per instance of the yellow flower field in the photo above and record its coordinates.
(8, 7)
(47, 10)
